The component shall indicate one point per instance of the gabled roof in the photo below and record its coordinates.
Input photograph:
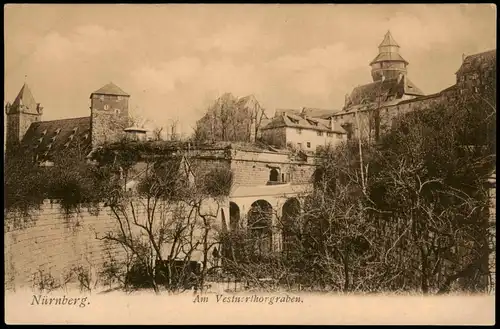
(297, 121)
(386, 90)
(412, 89)
(280, 112)
(51, 140)
(317, 113)
(388, 40)
(370, 92)
(478, 61)
(110, 89)
(25, 98)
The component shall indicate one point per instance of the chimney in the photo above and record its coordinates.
(463, 57)
(331, 123)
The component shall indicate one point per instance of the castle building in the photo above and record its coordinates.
(294, 128)
(44, 141)
(370, 109)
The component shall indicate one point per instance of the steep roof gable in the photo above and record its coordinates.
(110, 89)
(26, 100)
(50, 140)
(478, 61)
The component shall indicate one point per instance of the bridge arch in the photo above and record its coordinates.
(290, 223)
(259, 224)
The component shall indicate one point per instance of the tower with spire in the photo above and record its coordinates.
(388, 64)
(20, 115)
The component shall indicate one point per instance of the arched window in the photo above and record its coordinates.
(273, 175)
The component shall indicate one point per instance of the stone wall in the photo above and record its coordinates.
(253, 168)
(492, 242)
(50, 244)
(110, 116)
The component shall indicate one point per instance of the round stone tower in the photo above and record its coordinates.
(388, 63)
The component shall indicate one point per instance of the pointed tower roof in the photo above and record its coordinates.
(110, 89)
(25, 98)
(388, 40)
(388, 51)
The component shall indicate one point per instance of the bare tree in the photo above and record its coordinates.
(168, 223)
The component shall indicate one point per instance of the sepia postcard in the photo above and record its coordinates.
(250, 164)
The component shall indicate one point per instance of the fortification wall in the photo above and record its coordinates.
(49, 244)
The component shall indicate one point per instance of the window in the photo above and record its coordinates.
(117, 111)
(118, 98)
(273, 175)
(283, 178)
(329, 134)
(299, 145)
(299, 131)
(339, 136)
(320, 133)
(308, 144)
(106, 107)
(312, 122)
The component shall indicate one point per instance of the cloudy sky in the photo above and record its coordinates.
(175, 59)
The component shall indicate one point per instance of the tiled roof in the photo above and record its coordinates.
(384, 89)
(368, 93)
(297, 121)
(317, 113)
(388, 40)
(280, 112)
(385, 56)
(478, 61)
(52, 139)
(110, 89)
(412, 89)
(25, 98)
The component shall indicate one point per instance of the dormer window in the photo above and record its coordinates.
(53, 139)
(294, 121)
(58, 130)
(312, 122)
(75, 130)
(71, 137)
(40, 140)
(44, 132)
